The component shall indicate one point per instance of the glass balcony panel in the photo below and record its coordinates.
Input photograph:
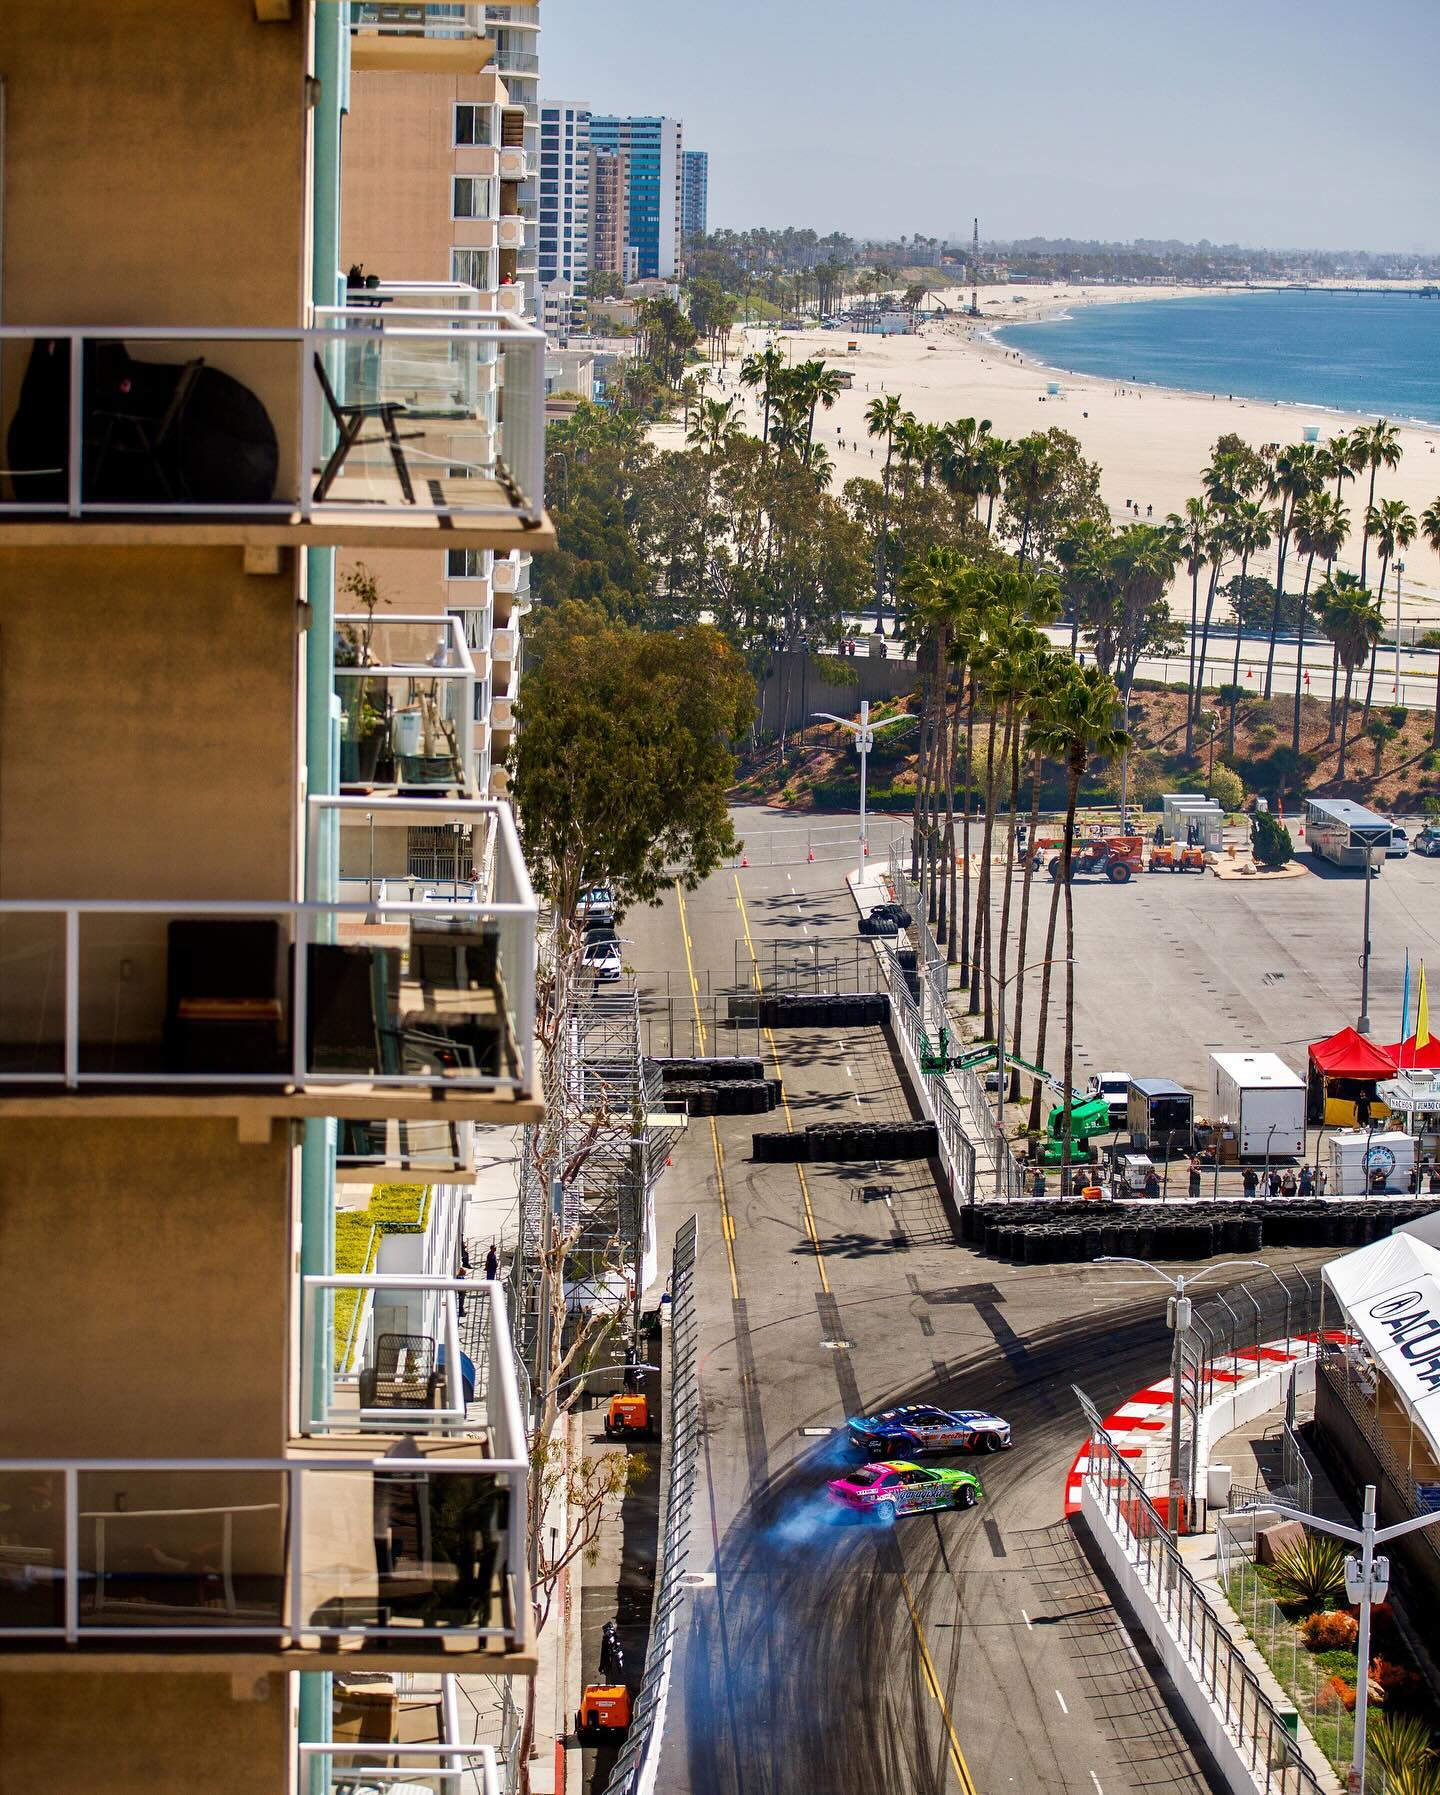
(406, 688)
(192, 1549)
(374, 1769)
(32, 996)
(396, 1151)
(32, 1552)
(450, 19)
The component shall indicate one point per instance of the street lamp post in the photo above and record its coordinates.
(1034, 966)
(864, 733)
(1399, 695)
(1362, 1021)
(1177, 1315)
(1367, 1580)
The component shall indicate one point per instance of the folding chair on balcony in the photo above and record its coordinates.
(404, 1375)
(350, 422)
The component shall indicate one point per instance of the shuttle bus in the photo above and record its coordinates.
(1346, 833)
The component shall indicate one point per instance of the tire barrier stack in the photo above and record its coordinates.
(808, 1009)
(848, 1141)
(1043, 1233)
(733, 1086)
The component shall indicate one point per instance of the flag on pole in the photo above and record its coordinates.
(1405, 1000)
(1422, 1014)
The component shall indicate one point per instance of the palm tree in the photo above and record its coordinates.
(1251, 534)
(1048, 673)
(1192, 530)
(1217, 546)
(1321, 524)
(990, 475)
(1430, 528)
(1376, 445)
(962, 451)
(818, 387)
(1392, 524)
(1351, 619)
(882, 418)
(1292, 478)
(1339, 461)
(1031, 471)
(764, 369)
(1084, 557)
(1079, 726)
(715, 427)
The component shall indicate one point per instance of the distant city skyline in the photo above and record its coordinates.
(1288, 126)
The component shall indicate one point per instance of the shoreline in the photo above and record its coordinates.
(1065, 312)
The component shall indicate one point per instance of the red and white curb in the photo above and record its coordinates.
(1136, 1422)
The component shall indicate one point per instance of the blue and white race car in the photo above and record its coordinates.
(915, 1427)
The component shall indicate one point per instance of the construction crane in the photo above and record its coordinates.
(975, 272)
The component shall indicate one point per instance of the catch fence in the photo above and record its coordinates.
(638, 1763)
(1255, 1726)
(957, 1151)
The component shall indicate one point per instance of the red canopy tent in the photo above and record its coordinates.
(1348, 1055)
(1405, 1054)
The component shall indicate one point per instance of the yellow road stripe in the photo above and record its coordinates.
(784, 1100)
(932, 1677)
(727, 1221)
(690, 967)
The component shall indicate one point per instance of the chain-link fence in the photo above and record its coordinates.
(1323, 1699)
(636, 1766)
(1256, 1727)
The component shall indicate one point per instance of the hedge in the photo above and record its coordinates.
(393, 1209)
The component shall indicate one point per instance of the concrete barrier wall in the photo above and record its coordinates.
(1201, 1711)
(1244, 1403)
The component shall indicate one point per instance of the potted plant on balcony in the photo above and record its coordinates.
(363, 735)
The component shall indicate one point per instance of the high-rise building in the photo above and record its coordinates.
(244, 1466)
(652, 149)
(564, 209)
(694, 194)
(609, 211)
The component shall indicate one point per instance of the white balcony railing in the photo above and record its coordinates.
(301, 1552)
(385, 992)
(441, 1769)
(501, 713)
(398, 1352)
(378, 413)
(452, 19)
(509, 573)
(407, 689)
(397, 1152)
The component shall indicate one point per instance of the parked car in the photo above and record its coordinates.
(1114, 1087)
(596, 905)
(1427, 842)
(1399, 843)
(602, 959)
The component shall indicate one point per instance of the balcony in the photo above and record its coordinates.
(370, 428)
(392, 1352)
(407, 687)
(514, 164)
(510, 573)
(412, 1557)
(510, 301)
(399, 1001)
(438, 1769)
(504, 649)
(511, 232)
(425, 38)
(400, 1152)
(502, 717)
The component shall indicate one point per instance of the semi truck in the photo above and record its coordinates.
(1258, 1100)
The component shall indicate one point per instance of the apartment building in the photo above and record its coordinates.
(652, 151)
(514, 32)
(232, 1477)
(694, 194)
(564, 200)
(609, 211)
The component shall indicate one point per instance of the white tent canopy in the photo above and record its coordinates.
(1390, 1292)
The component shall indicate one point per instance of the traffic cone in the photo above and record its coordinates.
(867, 850)
(812, 854)
(744, 860)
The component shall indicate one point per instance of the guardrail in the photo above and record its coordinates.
(638, 1763)
(1178, 1615)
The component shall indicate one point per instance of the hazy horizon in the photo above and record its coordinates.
(1125, 122)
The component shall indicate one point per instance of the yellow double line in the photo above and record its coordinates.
(932, 1677)
(727, 1220)
(785, 1101)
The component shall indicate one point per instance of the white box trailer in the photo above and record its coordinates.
(1263, 1101)
(1364, 1161)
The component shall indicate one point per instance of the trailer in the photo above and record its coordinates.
(1261, 1102)
(1160, 1115)
(1346, 833)
(1367, 1161)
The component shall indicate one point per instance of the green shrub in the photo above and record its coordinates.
(1402, 1744)
(1225, 786)
(1263, 734)
(1270, 840)
(1398, 715)
(400, 1208)
(1314, 1567)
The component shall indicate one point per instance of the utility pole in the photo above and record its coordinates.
(864, 734)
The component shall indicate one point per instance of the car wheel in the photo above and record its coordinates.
(1119, 874)
(885, 1511)
(965, 1496)
(993, 1442)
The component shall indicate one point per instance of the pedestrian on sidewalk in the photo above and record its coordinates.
(1194, 1178)
(492, 1264)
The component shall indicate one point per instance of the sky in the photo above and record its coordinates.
(1269, 123)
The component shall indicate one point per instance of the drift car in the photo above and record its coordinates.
(896, 1487)
(917, 1428)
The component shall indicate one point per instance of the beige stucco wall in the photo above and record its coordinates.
(146, 1288)
(73, 1734)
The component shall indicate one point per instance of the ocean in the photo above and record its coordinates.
(1377, 355)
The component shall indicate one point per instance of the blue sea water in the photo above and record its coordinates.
(1375, 354)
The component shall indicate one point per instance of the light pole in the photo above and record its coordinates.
(864, 733)
(1367, 1580)
(1399, 569)
(1177, 1315)
(1034, 966)
(1362, 1021)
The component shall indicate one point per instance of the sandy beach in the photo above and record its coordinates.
(1151, 442)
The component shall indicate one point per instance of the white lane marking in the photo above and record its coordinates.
(1061, 1699)
(1029, 1624)
(1096, 1780)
